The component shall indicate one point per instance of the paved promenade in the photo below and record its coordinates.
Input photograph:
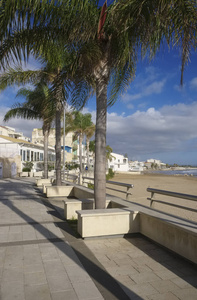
(41, 258)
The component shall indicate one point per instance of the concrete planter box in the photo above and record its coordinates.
(24, 174)
(31, 174)
(72, 205)
(38, 174)
(51, 173)
(40, 182)
(44, 186)
(106, 222)
(69, 191)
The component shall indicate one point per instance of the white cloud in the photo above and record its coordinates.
(20, 125)
(193, 83)
(153, 131)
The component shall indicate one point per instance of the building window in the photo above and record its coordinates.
(118, 160)
(37, 156)
(124, 161)
(41, 157)
(21, 153)
(28, 155)
(32, 156)
(24, 155)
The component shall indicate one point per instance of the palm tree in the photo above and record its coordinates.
(40, 105)
(126, 28)
(60, 75)
(89, 132)
(80, 124)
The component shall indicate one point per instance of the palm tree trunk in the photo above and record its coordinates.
(80, 157)
(46, 136)
(58, 142)
(100, 143)
(88, 156)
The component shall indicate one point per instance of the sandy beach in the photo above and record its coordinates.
(179, 184)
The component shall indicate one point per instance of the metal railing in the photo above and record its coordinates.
(171, 194)
(128, 186)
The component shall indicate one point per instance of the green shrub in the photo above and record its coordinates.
(26, 169)
(91, 186)
(110, 174)
(28, 165)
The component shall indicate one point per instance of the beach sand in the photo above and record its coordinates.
(174, 183)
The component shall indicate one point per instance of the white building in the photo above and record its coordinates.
(23, 151)
(136, 166)
(118, 163)
(11, 132)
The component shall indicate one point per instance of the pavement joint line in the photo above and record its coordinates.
(32, 223)
(33, 242)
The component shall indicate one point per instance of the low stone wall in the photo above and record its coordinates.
(40, 182)
(172, 236)
(69, 191)
(72, 205)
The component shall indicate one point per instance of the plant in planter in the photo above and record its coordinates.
(27, 166)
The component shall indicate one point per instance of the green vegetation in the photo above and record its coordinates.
(27, 166)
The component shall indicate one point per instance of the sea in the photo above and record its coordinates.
(185, 172)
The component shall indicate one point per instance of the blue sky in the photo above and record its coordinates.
(154, 118)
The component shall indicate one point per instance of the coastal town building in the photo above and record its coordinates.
(118, 163)
(136, 166)
(18, 151)
(11, 132)
(38, 138)
(154, 164)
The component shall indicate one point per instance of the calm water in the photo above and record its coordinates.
(179, 172)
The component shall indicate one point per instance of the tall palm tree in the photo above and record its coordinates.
(89, 132)
(115, 34)
(78, 123)
(40, 105)
(59, 74)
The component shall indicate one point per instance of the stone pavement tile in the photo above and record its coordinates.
(167, 274)
(188, 293)
(54, 268)
(32, 256)
(33, 268)
(29, 236)
(15, 237)
(3, 237)
(164, 296)
(143, 289)
(64, 295)
(54, 231)
(87, 291)
(130, 293)
(145, 277)
(156, 266)
(192, 280)
(15, 229)
(48, 252)
(59, 283)
(37, 292)
(122, 270)
(124, 279)
(4, 229)
(41, 232)
(163, 286)
(14, 274)
(14, 290)
(77, 274)
(35, 278)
